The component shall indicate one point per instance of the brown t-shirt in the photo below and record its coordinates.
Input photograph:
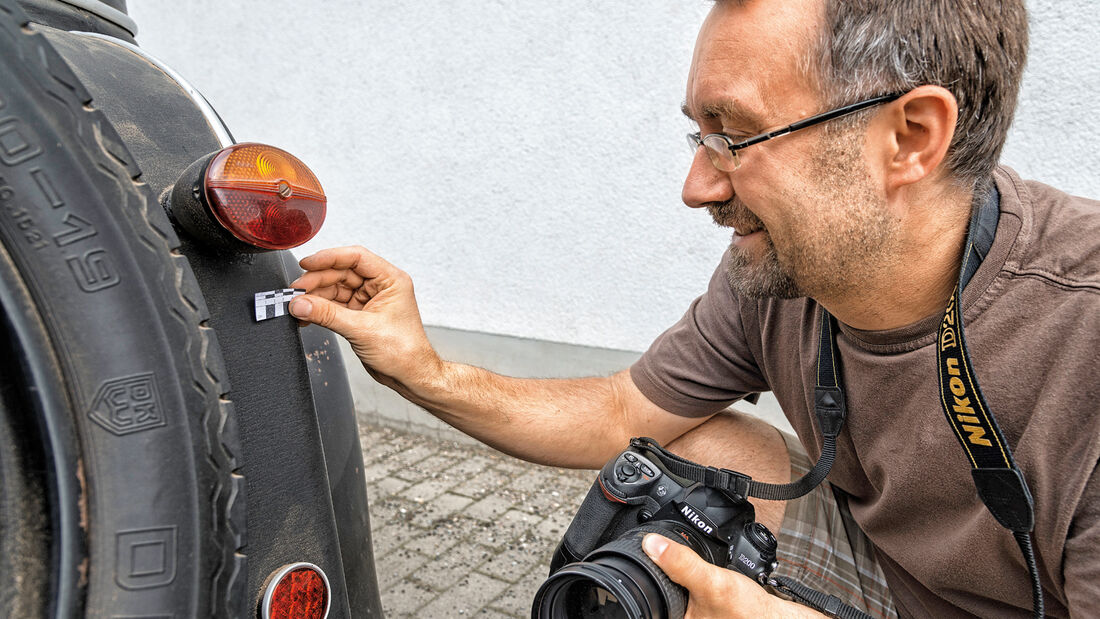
(1032, 320)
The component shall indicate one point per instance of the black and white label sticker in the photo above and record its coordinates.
(273, 303)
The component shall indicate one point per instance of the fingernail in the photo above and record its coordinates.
(301, 308)
(654, 545)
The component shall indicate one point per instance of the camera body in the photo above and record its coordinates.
(634, 494)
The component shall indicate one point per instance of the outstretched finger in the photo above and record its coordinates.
(339, 294)
(316, 280)
(358, 259)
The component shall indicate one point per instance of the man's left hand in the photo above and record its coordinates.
(715, 591)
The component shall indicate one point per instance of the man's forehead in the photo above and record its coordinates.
(725, 110)
(749, 55)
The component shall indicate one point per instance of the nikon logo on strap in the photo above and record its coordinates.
(962, 402)
(965, 415)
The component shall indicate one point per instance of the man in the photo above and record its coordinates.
(865, 216)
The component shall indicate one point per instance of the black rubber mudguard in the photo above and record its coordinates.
(161, 497)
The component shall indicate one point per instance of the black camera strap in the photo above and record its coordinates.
(830, 409)
(999, 481)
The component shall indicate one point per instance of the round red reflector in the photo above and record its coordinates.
(265, 196)
(296, 591)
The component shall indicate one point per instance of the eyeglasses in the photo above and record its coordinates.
(723, 151)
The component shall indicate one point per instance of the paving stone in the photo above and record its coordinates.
(469, 595)
(515, 562)
(489, 508)
(512, 526)
(426, 490)
(544, 502)
(384, 487)
(382, 447)
(439, 510)
(488, 613)
(389, 537)
(404, 598)
(519, 597)
(513, 467)
(436, 542)
(451, 567)
(381, 469)
(400, 564)
(461, 529)
(553, 526)
(467, 466)
(487, 481)
(392, 509)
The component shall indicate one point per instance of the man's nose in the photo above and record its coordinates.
(705, 184)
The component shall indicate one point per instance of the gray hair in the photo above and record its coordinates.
(976, 49)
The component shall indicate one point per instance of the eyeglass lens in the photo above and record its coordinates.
(717, 150)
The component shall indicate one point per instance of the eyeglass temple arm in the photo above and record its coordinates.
(813, 120)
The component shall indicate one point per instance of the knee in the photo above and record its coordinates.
(740, 442)
(737, 441)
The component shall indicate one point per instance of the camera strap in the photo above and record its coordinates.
(830, 409)
(999, 481)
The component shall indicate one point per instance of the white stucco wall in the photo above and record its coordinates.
(523, 160)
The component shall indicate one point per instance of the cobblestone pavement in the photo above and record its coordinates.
(462, 530)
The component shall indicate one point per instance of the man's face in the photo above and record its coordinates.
(808, 218)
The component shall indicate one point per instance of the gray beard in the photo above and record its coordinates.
(767, 278)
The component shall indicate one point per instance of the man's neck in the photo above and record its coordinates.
(919, 281)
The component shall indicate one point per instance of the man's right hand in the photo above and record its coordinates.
(371, 303)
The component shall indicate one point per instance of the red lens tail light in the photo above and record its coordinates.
(297, 591)
(264, 196)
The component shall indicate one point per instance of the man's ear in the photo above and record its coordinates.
(916, 134)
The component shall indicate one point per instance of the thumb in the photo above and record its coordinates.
(682, 564)
(323, 312)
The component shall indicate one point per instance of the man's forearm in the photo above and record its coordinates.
(533, 419)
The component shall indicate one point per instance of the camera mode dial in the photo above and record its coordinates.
(760, 537)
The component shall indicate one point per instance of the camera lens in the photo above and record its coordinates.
(585, 598)
(616, 580)
(595, 589)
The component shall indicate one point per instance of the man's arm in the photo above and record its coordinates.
(563, 422)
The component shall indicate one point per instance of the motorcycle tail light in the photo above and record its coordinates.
(264, 196)
(296, 591)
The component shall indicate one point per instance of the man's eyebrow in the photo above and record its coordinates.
(730, 111)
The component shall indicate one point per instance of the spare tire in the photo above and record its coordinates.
(121, 438)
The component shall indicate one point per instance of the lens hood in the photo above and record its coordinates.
(633, 587)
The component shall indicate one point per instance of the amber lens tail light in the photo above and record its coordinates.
(264, 196)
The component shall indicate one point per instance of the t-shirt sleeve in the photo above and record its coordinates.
(702, 364)
(1081, 561)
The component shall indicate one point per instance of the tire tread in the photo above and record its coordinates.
(169, 271)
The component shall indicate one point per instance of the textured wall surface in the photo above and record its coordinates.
(523, 160)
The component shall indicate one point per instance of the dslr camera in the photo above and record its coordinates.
(600, 570)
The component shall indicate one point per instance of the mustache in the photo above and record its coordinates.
(734, 214)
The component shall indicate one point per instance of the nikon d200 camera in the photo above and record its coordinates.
(600, 569)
